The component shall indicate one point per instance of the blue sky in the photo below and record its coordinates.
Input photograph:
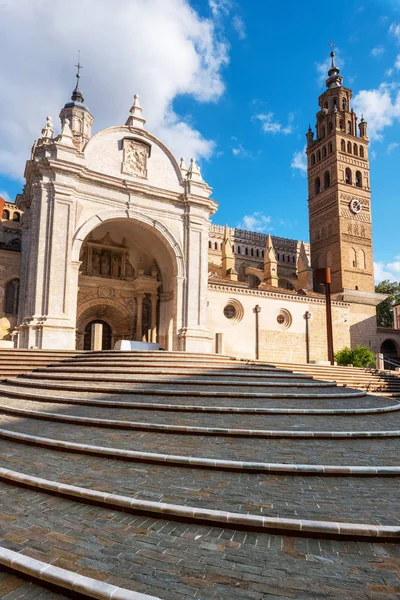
(233, 82)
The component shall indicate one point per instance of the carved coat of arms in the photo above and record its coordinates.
(135, 158)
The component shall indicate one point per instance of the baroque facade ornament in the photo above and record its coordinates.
(135, 158)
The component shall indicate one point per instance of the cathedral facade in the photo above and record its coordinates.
(112, 230)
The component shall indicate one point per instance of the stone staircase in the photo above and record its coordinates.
(174, 475)
(16, 361)
(372, 381)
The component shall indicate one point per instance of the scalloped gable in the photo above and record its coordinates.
(133, 155)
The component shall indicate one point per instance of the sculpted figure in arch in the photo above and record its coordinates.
(116, 268)
(105, 263)
(96, 263)
(135, 159)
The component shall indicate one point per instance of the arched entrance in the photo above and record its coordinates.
(129, 269)
(106, 335)
(390, 352)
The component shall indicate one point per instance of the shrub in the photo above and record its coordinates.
(360, 356)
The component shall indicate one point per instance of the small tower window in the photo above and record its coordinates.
(326, 105)
(361, 259)
(349, 128)
(343, 146)
(330, 148)
(319, 155)
(239, 250)
(355, 150)
(5, 215)
(323, 131)
(246, 251)
(278, 256)
(353, 258)
(233, 248)
(348, 176)
(327, 180)
(258, 253)
(215, 246)
(317, 185)
(252, 252)
(330, 126)
(334, 102)
(349, 147)
(262, 253)
(312, 159)
(362, 151)
(344, 104)
(324, 152)
(283, 257)
(341, 124)
(209, 245)
(293, 259)
(358, 179)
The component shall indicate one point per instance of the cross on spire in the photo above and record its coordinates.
(79, 66)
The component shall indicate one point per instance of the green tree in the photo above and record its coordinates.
(384, 310)
(360, 356)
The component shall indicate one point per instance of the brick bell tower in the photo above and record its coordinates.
(339, 196)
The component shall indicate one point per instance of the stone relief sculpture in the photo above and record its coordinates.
(135, 158)
(105, 263)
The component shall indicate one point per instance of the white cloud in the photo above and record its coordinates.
(392, 147)
(239, 27)
(156, 48)
(389, 72)
(397, 62)
(380, 107)
(377, 51)
(255, 222)
(5, 195)
(394, 29)
(220, 8)
(299, 161)
(269, 125)
(390, 270)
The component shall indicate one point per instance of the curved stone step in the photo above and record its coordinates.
(204, 463)
(9, 394)
(203, 515)
(66, 580)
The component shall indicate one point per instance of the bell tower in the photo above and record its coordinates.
(339, 196)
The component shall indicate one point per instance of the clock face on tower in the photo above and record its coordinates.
(355, 206)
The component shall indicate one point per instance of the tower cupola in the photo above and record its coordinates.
(78, 115)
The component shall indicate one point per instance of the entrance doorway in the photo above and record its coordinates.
(106, 339)
(389, 351)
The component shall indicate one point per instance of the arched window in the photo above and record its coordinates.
(343, 146)
(355, 150)
(5, 215)
(312, 159)
(344, 104)
(317, 185)
(293, 259)
(341, 124)
(11, 297)
(239, 250)
(353, 258)
(319, 155)
(361, 259)
(323, 131)
(326, 105)
(324, 152)
(349, 179)
(17, 216)
(283, 257)
(334, 101)
(362, 151)
(258, 253)
(262, 254)
(233, 249)
(349, 147)
(330, 147)
(349, 128)
(215, 246)
(327, 180)
(209, 244)
(246, 251)
(252, 252)
(358, 179)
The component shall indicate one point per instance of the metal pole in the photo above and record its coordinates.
(257, 310)
(329, 332)
(307, 316)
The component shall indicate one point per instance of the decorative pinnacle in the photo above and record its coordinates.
(48, 129)
(77, 94)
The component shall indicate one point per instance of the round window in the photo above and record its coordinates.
(230, 311)
(233, 310)
(284, 319)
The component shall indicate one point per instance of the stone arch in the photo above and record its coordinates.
(106, 309)
(171, 244)
(391, 351)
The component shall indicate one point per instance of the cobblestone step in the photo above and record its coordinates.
(13, 587)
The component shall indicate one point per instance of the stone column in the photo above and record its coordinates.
(154, 299)
(97, 337)
(139, 317)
